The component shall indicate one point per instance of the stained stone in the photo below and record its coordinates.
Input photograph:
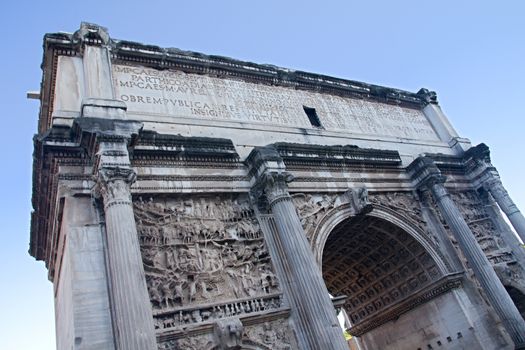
(186, 201)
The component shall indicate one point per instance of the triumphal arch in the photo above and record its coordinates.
(187, 201)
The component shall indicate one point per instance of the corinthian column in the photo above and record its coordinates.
(493, 185)
(107, 141)
(484, 174)
(428, 177)
(131, 309)
(312, 309)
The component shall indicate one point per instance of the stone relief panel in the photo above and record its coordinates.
(482, 226)
(268, 335)
(313, 207)
(274, 335)
(202, 342)
(204, 259)
(405, 204)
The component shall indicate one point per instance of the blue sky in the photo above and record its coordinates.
(471, 52)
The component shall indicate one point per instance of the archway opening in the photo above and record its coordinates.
(378, 266)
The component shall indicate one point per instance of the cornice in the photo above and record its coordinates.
(74, 146)
(133, 53)
(46, 177)
(432, 291)
(464, 168)
(127, 52)
(301, 155)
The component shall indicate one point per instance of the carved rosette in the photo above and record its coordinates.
(114, 185)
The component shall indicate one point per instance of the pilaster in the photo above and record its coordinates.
(427, 176)
(94, 43)
(441, 124)
(312, 310)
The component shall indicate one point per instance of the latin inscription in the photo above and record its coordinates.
(177, 94)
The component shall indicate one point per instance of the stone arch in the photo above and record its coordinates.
(325, 227)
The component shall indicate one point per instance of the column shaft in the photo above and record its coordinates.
(483, 270)
(313, 313)
(309, 297)
(507, 205)
(131, 308)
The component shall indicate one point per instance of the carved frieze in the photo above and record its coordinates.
(202, 342)
(184, 316)
(204, 259)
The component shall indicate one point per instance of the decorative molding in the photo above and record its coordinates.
(444, 285)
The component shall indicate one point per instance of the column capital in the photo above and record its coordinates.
(491, 181)
(114, 185)
(107, 174)
(425, 173)
(270, 177)
(275, 185)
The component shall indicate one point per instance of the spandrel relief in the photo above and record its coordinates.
(482, 226)
(313, 207)
(403, 203)
(202, 342)
(201, 255)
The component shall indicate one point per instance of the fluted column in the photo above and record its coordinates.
(131, 309)
(107, 141)
(493, 185)
(312, 309)
(484, 174)
(429, 177)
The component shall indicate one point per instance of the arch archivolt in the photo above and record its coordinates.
(382, 261)
(318, 234)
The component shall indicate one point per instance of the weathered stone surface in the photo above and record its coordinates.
(186, 201)
(177, 94)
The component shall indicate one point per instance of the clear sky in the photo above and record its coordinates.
(471, 52)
